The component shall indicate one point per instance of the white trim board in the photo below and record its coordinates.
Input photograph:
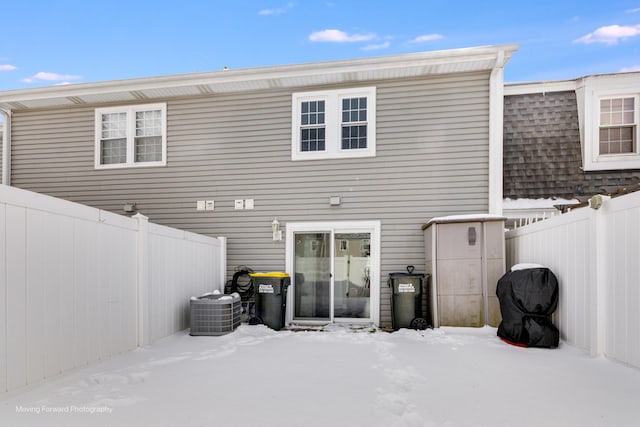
(373, 227)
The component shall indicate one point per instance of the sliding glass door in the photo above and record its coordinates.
(312, 279)
(352, 266)
(332, 271)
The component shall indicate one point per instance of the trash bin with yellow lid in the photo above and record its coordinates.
(270, 290)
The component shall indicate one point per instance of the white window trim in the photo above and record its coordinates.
(619, 156)
(131, 125)
(372, 227)
(333, 113)
(593, 90)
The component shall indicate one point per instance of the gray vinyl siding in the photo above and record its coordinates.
(432, 160)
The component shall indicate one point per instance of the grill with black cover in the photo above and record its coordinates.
(527, 298)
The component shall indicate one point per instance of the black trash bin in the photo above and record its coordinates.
(406, 300)
(270, 292)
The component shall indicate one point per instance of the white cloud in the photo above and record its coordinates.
(610, 34)
(636, 10)
(276, 11)
(630, 69)
(427, 38)
(337, 36)
(7, 67)
(43, 76)
(377, 46)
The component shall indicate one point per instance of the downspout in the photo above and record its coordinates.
(496, 112)
(6, 147)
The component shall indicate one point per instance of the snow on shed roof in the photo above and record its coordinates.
(464, 218)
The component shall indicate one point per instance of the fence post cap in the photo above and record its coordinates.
(596, 201)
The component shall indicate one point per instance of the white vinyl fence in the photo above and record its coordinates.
(78, 284)
(596, 256)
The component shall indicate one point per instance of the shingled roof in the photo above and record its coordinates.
(542, 154)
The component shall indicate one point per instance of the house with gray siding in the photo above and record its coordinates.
(324, 170)
(565, 141)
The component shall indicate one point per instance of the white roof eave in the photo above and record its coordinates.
(262, 78)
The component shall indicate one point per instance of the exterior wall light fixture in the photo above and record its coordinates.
(275, 229)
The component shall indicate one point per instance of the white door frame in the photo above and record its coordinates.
(372, 227)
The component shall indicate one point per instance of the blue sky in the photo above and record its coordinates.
(56, 41)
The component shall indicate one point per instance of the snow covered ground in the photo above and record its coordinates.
(337, 377)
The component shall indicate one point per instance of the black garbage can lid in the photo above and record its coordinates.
(409, 273)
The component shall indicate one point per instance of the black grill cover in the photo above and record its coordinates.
(527, 299)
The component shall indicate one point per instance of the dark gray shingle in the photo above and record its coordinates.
(542, 154)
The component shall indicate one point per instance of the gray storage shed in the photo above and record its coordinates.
(465, 256)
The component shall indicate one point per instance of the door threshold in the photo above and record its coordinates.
(308, 323)
(333, 326)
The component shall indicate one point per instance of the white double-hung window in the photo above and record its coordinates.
(334, 124)
(618, 126)
(131, 136)
(609, 120)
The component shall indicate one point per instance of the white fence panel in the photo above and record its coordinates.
(16, 302)
(86, 346)
(622, 258)
(3, 298)
(595, 255)
(564, 245)
(70, 281)
(181, 265)
(117, 289)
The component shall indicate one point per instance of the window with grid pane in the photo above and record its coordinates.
(132, 135)
(312, 131)
(617, 134)
(354, 123)
(113, 138)
(148, 139)
(333, 124)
